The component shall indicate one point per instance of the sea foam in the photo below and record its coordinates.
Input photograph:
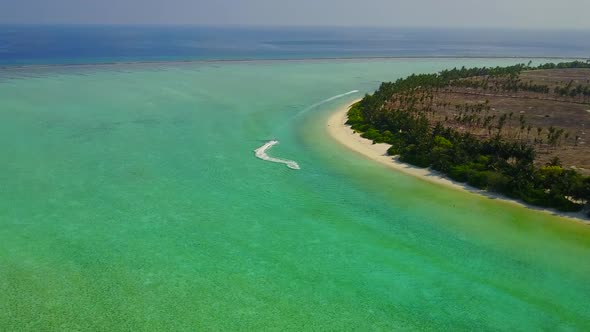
(261, 153)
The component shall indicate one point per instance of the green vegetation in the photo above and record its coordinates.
(401, 114)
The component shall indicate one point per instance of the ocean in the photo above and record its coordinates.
(83, 44)
(131, 198)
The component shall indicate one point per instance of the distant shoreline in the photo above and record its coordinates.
(337, 128)
(247, 60)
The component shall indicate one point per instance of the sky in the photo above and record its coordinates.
(531, 14)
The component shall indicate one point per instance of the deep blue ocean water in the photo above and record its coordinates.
(76, 44)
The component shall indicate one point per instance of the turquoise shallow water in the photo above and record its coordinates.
(130, 198)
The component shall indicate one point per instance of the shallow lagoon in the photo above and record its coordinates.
(131, 199)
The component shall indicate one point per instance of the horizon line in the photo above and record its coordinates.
(293, 26)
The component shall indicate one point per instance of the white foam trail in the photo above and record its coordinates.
(261, 153)
(326, 101)
(309, 108)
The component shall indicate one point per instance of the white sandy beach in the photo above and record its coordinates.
(338, 129)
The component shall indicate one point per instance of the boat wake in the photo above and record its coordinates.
(261, 153)
(326, 101)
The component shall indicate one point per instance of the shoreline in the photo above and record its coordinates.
(343, 134)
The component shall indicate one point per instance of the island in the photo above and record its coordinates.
(518, 131)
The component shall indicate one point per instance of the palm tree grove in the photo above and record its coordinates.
(517, 130)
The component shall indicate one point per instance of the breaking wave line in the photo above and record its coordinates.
(261, 154)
